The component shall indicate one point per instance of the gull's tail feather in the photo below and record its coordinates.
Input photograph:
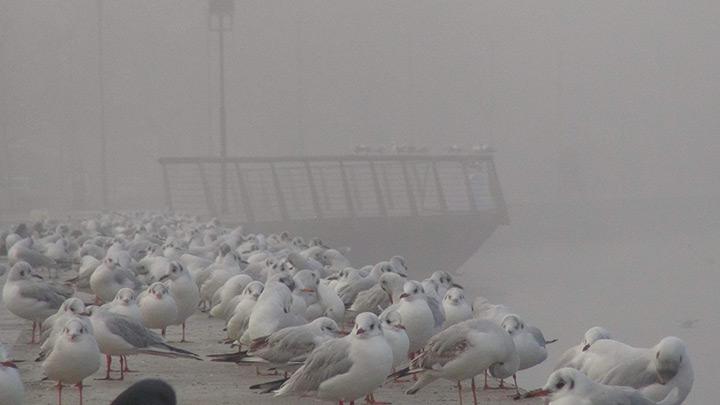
(173, 355)
(268, 387)
(228, 357)
(178, 350)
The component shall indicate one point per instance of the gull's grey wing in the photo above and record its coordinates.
(371, 300)
(287, 344)
(634, 372)
(327, 361)
(445, 346)
(131, 331)
(47, 293)
(127, 278)
(537, 334)
(437, 311)
(349, 292)
(36, 259)
(619, 396)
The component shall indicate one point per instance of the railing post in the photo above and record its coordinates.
(468, 185)
(279, 193)
(440, 190)
(408, 189)
(378, 190)
(206, 189)
(313, 190)
(496, 191)
(244, 195)
(346, 187)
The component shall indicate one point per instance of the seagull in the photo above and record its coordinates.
(529, 342)
(238, 322)
(147, 392)
(291, 344)
(444, 281)
(456, 307)
(343, 369)
(75, 356)
(379, 296)
(30, 298)
(119, 335)
(228, 295)
(655, 371)
(157, 307)
(109, 277)
(591, 336)
(272, 310)
(11, 386)
(184, 291)
(568, 386)
(72, 308)
(22, 251)
(418, 317)
(461, 352)
(349, 292)
(395, 334)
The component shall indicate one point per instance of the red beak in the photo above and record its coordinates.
(307, 290)
(404, 295)
(537, 393)
(400, 327)
(8, 363)
(360, 331)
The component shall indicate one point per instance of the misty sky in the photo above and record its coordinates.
(583, 100)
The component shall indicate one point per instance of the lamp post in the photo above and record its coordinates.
(220, 20)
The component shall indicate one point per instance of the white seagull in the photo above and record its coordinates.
(75, 356)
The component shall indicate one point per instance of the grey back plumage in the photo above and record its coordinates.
(327, 361)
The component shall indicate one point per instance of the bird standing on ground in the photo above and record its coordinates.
(75, 356)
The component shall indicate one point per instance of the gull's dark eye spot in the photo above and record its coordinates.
(416, 290)
(657, 355)
(560, 384)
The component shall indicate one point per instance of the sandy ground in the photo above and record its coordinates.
(197, 382)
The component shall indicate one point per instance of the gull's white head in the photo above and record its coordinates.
(399, 264)
(366, 326)
(125, 296)
(455, 296)
(412, 290)
(670, 354)
(593, 335)
(74, 306)
(306, 281)
(158, 290)
(392, 320)
(254, 289)
(565, 382)
(75, 331)
(175, 270)
(327, 326)
(20, 271)
(444, 279)
(512, 324)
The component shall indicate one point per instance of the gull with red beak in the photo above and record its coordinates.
(157, 307)
(343, 369)
(11, 386)
(461, 352)
(75, 356)
(29, 297)
(568, 386)
(418, 316)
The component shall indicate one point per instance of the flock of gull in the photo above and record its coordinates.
(109, 286)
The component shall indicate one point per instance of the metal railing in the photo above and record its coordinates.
(285, 188)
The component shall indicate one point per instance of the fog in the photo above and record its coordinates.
(604, 117)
